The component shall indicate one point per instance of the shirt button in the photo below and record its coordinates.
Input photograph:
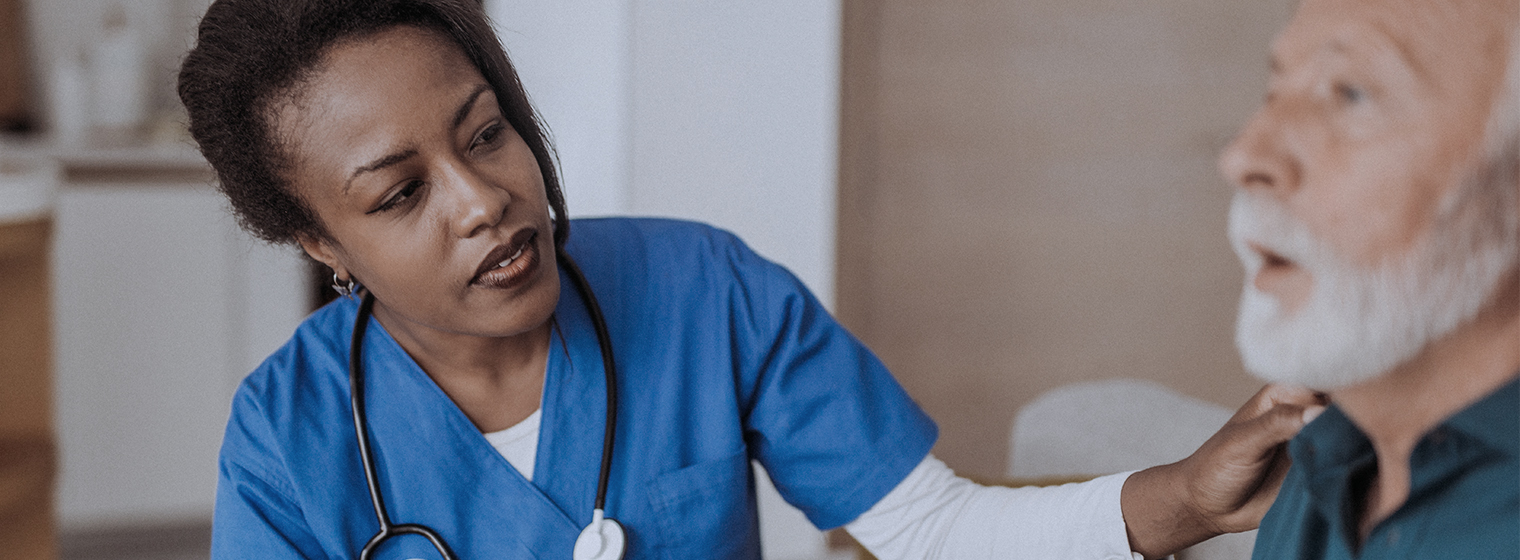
(1393, 537)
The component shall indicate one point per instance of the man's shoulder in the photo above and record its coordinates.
(1494, 420)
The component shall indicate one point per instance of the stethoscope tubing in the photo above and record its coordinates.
(361, 420)
(361, 433)
(609, 370)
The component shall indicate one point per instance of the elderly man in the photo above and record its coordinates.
(1377, 213)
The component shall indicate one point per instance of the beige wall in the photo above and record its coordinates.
(1029, 198)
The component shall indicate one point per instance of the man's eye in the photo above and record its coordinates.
(1349, 94)
(401, 196)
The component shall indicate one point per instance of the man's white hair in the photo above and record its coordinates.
(1486, 207)
(1497, 168)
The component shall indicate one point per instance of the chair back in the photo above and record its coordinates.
(1113, 426)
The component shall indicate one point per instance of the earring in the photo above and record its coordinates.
(343, 289)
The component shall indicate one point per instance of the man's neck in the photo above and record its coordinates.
(1396, 409)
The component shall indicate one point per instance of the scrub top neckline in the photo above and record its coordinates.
(518, 444)
(406, 405)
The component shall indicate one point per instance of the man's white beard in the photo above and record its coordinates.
(1357, 324)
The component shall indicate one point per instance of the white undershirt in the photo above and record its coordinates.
(519, 443)
(934, 514)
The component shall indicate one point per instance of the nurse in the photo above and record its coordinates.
(392, 142)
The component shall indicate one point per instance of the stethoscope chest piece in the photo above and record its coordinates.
(603, 539)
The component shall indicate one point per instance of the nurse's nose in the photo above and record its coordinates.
(1262, 157)
(480, 205)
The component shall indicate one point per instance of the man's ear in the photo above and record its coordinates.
(323, 251)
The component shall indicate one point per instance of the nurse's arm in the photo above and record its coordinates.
(1227, 485)
(935, 515)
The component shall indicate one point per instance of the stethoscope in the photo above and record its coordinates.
(603, 539)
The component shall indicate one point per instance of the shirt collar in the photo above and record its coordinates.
(1494, 421)
(1329, 443)
(1332, 442)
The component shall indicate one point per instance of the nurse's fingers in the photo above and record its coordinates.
(1255, 437)
(1273, 395)
(1250, 514)
(1273, 416)
(1241, 465)
(1247, 460)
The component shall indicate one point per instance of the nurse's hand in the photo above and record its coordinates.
(1227, 485)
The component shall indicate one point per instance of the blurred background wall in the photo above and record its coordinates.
(724, 112)
(1028, 198)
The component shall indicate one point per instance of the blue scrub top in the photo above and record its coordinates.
(723, 358)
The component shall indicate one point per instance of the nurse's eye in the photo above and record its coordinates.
(489, 138)
(402, 196)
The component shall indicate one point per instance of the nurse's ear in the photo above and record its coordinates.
(322, 250)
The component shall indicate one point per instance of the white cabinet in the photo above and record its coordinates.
(161, 305)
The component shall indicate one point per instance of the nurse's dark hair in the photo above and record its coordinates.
(251, 56)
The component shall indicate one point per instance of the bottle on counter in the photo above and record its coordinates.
(118, 75)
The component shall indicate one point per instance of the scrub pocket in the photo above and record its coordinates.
(707, 510)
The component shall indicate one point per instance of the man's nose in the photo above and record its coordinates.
(1261, 157)
(479, 204)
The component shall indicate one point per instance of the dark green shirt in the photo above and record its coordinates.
(1464, 497)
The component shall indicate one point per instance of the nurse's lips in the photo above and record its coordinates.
(510, 263)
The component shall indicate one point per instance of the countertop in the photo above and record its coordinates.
(166, 162)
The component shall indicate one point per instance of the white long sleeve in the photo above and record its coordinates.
(933, 514)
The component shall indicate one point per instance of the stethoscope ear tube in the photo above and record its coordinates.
(361, 434)
(609, 369)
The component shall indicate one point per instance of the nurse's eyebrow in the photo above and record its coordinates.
(382, 163)
(469, 103)
(388, 160)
